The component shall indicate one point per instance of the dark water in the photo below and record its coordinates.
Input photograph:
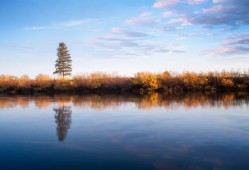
(189, 132)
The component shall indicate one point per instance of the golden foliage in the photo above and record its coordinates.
(7, 82)
(24, 82)
(141, 82)
(193, 81)
(79, 81)
(63, 84)
(43, 81)
(226, 82)
(165, 75)
(146, 80)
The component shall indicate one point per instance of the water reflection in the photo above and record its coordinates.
(176, 132)
(63, 121)
(155, 100)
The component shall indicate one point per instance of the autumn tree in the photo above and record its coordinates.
(63, 65)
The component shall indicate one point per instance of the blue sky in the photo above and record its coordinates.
(124, 36)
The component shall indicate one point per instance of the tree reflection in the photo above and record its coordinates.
(63, 121)
(145, 102)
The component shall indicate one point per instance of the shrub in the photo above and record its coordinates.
(146, 80)
(63, 84)
(43, 81)
(141, 82)
(80, 81)
(8, 82)
(24, 82)
(193, 81)
(227, 82)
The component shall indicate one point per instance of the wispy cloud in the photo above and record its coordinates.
(196, 1)
(168, 14)
(218, 1)
(214, 9)
(228, 51)
(142, 19)
(134, 34)
(181, 21)
(18, 47)
(36, 28)
(137, 43)
(71, 23)
(165, 3)
(235, 44)
(58, 25)
(230, 13)
(233, 13)
(170, 3)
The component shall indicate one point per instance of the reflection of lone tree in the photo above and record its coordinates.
(63, 121)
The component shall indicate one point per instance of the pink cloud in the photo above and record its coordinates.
(116, 30)
(165, 3)
(218, 1)
(215, 9)
(221, 51)
(181, 21)
(142, 19)
(236, 44)
(227, 51)
(127, 33)
(240, 41)
(168, 14)
(196, 1)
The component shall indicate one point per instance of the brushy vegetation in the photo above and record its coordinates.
(142, 82)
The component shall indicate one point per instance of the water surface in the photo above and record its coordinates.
(154, 132)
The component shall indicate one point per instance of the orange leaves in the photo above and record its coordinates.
(8, 82)
(193, 80)
(43, 81)
(63, 84)
(100, 80)
(226, 82)
(146, 80)
(24, 82)
(140, 83)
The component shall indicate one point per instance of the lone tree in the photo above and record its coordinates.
(63, 64)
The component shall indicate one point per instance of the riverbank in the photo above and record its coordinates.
(140, 83)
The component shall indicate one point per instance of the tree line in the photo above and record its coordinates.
(141, 82)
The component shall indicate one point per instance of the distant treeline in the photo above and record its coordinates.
(142, 82)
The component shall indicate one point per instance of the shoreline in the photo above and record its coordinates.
(140, 83)
(136, 92)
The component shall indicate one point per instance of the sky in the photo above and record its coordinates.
(124, 36)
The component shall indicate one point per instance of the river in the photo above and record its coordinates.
(125, 132)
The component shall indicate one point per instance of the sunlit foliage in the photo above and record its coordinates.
(63, 84)
(24, 82)
(142, 82)
(8, 82)
(43, 82)
(146, 80)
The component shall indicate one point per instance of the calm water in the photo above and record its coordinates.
(155, 132)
